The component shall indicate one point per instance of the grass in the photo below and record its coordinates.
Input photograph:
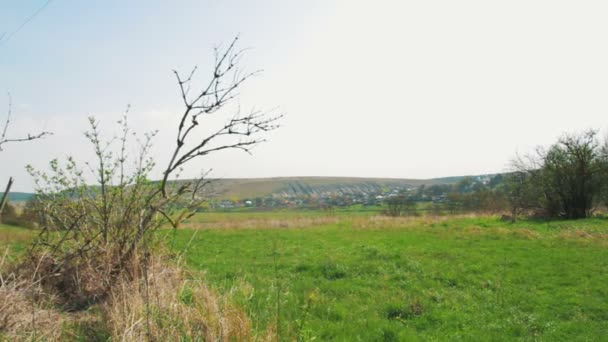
(14, 240)
(269, 219)
(366, 278)
(353, 276)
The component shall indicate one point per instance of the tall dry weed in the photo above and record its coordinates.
(261, 223)
(159, 304)
(177, 308)
(21, 318)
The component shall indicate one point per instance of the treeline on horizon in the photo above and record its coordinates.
(568, 180)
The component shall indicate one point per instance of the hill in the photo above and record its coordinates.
(240, 188)
(18, 196)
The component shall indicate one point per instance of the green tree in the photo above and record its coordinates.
(9, 215)
(565, 180)
(400, 205)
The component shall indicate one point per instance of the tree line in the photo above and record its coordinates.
(567, 180)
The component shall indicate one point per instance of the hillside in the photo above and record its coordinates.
(240, 188)
(18, 196)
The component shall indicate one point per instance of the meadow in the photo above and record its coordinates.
(355, 276)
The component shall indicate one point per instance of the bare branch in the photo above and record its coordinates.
(213, 97)
(8, 116)
(4, 139)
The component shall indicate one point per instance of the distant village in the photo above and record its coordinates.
(367, 195)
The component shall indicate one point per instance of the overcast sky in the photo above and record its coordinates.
(404, 89)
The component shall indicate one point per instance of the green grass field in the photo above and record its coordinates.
(373, 279)
(357, 277)
(13, 241)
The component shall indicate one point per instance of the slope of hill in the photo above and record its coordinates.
(18, 196)
(240, 188)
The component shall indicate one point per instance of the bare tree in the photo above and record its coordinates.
(221, 89)
(4, 140)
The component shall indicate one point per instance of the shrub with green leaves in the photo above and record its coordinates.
(98, 219)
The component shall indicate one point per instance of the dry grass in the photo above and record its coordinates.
(166, 307)
(295, 222)
(584, 236)
(381, 222)
(525, 233)
(261, 223)
(178, 309)
(11, 235)
(21, 318)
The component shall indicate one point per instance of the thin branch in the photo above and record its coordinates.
(7, 123)
(8, 116)
(218, 92)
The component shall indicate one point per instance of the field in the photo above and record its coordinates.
(359, 277)
(371, 278)
(13, 240)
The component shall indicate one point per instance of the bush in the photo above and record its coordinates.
(10, 215)
(563, 181)
(399, 206)
(93, 234)
(98, 238)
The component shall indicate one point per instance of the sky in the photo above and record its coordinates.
(401, 89)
